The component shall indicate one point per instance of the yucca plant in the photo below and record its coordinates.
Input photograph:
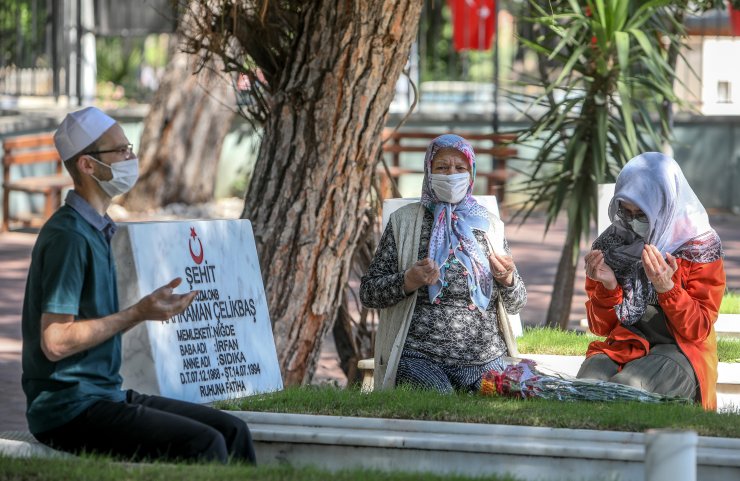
(605, 80)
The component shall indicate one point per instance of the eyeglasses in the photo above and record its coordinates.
(628, 216)
(127, 151)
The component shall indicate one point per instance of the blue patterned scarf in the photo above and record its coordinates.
(452, 233)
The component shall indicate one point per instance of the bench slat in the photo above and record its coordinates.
(29, 142)
(408, 134)
(396, 142)
(27, 150)
(41, 185)
(494, 175)
(32, 157)
(499, 151)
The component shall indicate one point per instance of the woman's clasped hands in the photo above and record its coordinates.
(658, 270)
(424, 273)
(502, 267)
(598, 270)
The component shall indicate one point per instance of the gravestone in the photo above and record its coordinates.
(221, 347)
(605, 193)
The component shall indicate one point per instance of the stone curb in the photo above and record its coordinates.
(336, 442)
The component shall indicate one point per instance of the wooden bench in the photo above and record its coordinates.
(396, 142)
(30, 150)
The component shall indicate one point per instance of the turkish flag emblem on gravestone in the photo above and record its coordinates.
(473, 23)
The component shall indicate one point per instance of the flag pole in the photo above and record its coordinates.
(495, 67)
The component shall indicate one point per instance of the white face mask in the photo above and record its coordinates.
(450, 188)
(640, 228)
(125, 174)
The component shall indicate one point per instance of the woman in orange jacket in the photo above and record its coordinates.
(655, 280)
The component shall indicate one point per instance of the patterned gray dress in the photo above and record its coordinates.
(450, 344)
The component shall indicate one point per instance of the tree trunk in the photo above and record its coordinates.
(183, 134)
(558, 314)
(312, 178)
(666, 128)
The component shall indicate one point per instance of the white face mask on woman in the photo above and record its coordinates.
(125, 174)
(450, 188)
(640, 228)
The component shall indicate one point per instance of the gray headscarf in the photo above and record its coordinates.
(678, 224)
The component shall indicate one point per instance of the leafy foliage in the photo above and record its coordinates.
(604, 79)
(22, 33)
(253, 39)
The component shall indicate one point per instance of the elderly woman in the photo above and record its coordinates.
(655, 280)
(437, 280)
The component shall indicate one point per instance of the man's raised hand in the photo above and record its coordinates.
(163, 303)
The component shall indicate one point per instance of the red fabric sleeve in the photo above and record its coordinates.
(692, 305)
(602, 318)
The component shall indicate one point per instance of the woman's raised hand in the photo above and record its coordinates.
(502, 267)
(658, 271)
(598, 270)
(424, 273)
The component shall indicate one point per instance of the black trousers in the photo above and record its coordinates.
(154, 428)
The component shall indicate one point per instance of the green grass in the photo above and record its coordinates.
(728, 350)
(471, 408)
(730, 303)
(541, 340)
(101, 469)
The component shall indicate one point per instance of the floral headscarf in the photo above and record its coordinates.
(678, 224)
(452, 233)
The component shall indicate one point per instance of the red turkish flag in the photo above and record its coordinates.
(734, 21)
(472, 23)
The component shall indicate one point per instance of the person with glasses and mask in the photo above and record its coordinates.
(655, 281)
(72, 323)
(437, 282)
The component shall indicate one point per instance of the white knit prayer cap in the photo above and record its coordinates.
(80, 129)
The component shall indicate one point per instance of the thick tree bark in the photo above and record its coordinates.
(312, 178)
(558, 313)
(183, 134)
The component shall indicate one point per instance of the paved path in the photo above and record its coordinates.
(536, 256)
(15, 252)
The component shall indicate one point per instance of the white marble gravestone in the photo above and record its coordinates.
(221, 347)
(605, 192)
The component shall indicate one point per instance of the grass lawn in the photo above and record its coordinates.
(103, 469)
(570, 343)
(730, 303)
(426, 405)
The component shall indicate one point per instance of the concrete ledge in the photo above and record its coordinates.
(728, 325)
(21, 444)
(333, 443)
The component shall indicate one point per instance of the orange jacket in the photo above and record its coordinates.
(691, 309)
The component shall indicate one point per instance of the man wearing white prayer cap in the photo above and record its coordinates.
(72, 323)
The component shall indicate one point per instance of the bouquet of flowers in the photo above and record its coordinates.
(522, 380)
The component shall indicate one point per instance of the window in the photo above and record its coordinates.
(724, 92)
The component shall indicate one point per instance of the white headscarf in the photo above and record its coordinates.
(678, 224)
(655, 183)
